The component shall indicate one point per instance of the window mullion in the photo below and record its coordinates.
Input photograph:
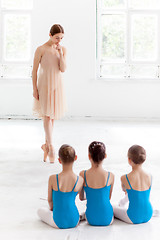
(128, 43)
(1, 47)
(99, 37)
(158, 38)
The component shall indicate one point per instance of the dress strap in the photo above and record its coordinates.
(57, 182)
(75, 183)
(128, 181)
(85, 178)
(108, 178)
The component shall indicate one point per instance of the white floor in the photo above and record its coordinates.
(24, 176)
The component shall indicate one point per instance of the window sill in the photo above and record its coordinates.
(129, 80)
(15, 80)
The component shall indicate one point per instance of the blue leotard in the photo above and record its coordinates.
(65, 212)
(99, 210)
(140, 209)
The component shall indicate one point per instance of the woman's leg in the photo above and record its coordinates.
(46, 216)
(52, 121)
(48, 128)
(46, 150)
(121, 213)
(47, 123)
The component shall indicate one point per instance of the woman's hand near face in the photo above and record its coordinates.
(59, 48)
(62, 62)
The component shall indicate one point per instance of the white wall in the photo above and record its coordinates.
(86, 96)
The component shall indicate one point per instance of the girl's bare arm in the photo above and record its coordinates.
(123, 184)
(50, 201)
(112, 183)
(82, 195)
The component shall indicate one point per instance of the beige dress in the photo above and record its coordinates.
(51, 101)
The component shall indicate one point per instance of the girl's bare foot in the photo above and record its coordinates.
(51, 154)
(45, 149)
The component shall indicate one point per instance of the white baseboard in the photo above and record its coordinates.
(85, 118)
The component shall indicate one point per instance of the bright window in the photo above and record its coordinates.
(15, 41)
(128, 39)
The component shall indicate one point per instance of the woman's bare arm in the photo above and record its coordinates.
(37, 58)
(62, 53)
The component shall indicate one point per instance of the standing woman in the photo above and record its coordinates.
(48, 94)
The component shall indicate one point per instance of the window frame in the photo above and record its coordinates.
(3, 61)
(128, 61)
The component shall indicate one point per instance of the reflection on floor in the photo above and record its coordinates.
(24, 176)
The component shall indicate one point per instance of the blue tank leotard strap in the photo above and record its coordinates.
(57, 182)
(108, 178)
(85, 178)
(65, 212)
(140, 209)
(128, 181)
(75, 183)
(130, 184)
(100, 214)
